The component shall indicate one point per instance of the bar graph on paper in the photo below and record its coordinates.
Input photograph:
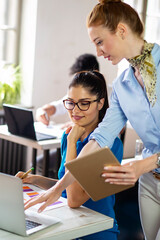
(30, 191)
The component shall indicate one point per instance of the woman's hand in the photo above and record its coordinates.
(126, 174)
(30, 178)
(48, 197)
(52, 194)
(41, 116)
(44, 113)
(75, 132)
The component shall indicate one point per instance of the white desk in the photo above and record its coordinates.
(74, 223)
(42, 145)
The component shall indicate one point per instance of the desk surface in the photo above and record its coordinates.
(42, 145)
(45, 145)
(74, 223)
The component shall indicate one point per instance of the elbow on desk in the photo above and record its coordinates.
(73, 203)
(76, 198)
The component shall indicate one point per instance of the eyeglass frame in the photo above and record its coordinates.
(76, 103)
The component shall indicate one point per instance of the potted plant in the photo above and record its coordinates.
(10, 84)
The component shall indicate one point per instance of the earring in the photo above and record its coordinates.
(122, 36)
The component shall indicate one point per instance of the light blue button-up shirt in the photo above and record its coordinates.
(129, 102)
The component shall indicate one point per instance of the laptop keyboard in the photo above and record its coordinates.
(30, 224)
(42, 136)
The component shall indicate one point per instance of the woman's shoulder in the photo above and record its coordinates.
(125, 75)
(156, 53)
(117, 149)
(156, 47)
(64, 140)
(117, 142)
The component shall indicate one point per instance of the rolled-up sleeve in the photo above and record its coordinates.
(111, 125)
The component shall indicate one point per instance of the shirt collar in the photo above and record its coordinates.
(128, 74)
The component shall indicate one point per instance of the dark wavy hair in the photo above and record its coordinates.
(95, 83)
(85, 62)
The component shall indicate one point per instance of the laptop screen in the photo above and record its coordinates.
(12, 215)
(20, 121)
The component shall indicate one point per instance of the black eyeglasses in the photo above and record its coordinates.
(82, 105)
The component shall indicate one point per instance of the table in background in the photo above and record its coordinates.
(12, 155)
(45, 146)
(74, 223)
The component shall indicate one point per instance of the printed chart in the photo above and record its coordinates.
(30, 191)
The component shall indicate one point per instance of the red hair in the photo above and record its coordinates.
(110, 13)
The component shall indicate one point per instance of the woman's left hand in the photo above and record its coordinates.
(74, 133)
(30, 178)
(126, 174)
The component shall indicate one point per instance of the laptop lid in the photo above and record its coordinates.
(12, 214)
(20, 122)
(87, 171)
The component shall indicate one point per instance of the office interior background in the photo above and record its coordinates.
(44, 37)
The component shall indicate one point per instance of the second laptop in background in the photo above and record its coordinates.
(20, 122)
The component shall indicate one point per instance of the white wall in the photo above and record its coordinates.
(53, 34)
(27, 48)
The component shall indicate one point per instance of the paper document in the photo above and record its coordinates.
(52, 129)
(30, 191)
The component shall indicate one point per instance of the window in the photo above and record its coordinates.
(149, 11)
(9, 30)
(138, 5)
(152, 26)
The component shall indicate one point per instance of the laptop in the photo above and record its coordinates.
(20, 122)
(13, 218)
(87, 171)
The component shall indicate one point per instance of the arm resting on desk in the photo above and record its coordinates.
(53, 194)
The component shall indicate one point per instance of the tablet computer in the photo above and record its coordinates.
(87, 171)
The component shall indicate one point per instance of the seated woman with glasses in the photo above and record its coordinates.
(86, 103)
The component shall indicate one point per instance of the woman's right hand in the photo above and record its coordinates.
(44, 113)
(42, 116)
(47, 198)
(30, 178)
